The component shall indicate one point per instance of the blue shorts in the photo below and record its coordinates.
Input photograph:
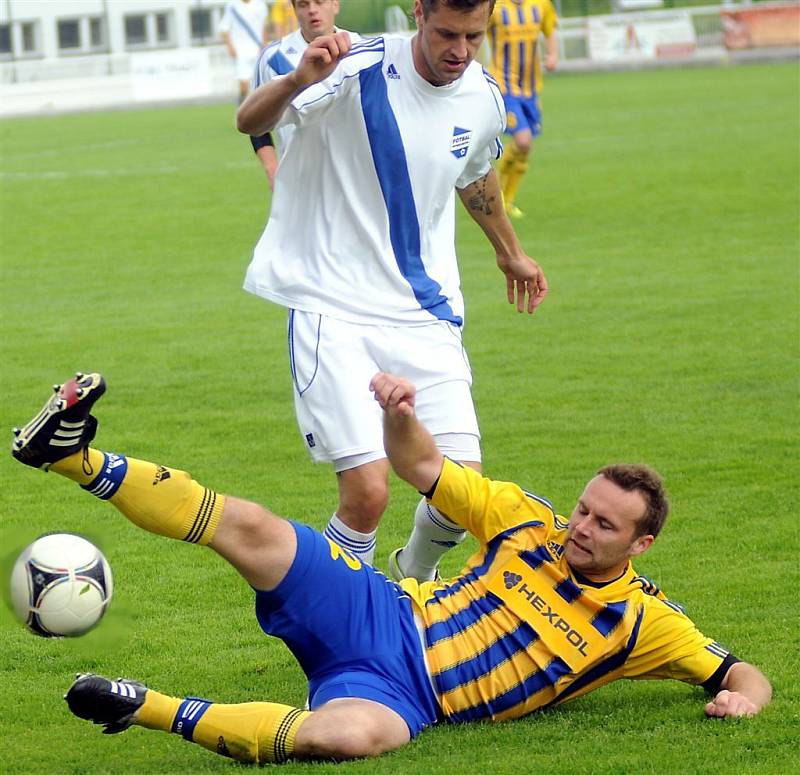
(351, 629)
(523, 113)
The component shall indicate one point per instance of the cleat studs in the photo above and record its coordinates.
(18, 443)
(17, 431)
(60, 404)
(79, 392)
(56, 388)
(79, 375)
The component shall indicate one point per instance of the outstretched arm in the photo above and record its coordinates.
(263, 108)
(745, 691)
(524, 276)
(410, 448)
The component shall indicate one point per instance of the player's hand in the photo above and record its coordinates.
(551, 62)
(395, 394)
(525, 281)
(730, 704)
(321, 57)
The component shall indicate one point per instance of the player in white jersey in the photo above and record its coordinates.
(315, 18)
(360, 247)
(243, 28)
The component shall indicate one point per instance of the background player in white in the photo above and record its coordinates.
(316, 17)
(360, 247)
(244, 32)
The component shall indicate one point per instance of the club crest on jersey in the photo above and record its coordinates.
(460, 143)
(391, 72)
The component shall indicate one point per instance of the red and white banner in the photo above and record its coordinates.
(762, 26)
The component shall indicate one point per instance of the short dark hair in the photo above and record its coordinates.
(461, 5)
(640, 478)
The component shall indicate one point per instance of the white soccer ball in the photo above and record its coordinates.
(61, 585)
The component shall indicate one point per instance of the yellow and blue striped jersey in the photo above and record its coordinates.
(517, 630)
(514, 30)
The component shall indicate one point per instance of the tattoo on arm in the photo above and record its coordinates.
(477, 198)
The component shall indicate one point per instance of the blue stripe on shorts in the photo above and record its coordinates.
(351, 630)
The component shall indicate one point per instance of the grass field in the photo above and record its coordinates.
(664, 209)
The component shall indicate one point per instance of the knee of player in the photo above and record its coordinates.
(523, 144)
(250, 521)
(365, 503)
(347, 741)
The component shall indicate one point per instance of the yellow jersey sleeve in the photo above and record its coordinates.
(549, 18)
(485, 507)
(671, 646)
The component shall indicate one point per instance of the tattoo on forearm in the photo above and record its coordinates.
(477, 199)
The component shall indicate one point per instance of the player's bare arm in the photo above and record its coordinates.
(262, 109)
(551, 52)
(745, 691)
(526, 284)
(410, 448)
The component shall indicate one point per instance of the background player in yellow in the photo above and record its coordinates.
(282, 19)
(546, 610)
(515, 27)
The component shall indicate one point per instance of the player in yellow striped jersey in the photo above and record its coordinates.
(545, 611)
(282, 19)
(515, 27)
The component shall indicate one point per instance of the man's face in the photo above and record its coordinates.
(315, 17)
(602, 532)
(447, 41)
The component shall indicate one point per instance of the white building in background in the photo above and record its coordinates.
(51, 29)
(77, 54)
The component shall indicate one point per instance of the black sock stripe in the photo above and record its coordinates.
(197, 516)
(201, 518)
(279, 747)
(209, 513)
(205, 517)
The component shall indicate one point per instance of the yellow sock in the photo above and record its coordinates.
(505, 164)
(162, 500)
(255, 732)
(514, 178)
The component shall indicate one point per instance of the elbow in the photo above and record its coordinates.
(244, 122)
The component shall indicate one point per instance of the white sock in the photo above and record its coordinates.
(433, 535)
(362, 545)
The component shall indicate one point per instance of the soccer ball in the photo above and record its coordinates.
(61, 585)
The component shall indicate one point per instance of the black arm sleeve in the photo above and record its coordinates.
(262, 141)
(713, 684)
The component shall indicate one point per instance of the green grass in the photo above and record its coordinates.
(664, 209)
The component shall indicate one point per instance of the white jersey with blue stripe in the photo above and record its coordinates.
(280, 58)
(244, 22)
(362, 225)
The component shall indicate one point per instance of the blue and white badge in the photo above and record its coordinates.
(460, 144)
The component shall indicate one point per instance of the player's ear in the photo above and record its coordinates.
(418, 15)
(641, 545)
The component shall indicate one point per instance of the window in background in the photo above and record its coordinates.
(200, 25)
(136, 30)
(69, 35)
(29, 39)
(163, 28)
(97, 32)
(5, 41)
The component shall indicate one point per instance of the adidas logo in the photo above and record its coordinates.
(291, 50)
(391, 72)
(123, 689)
(161, 474)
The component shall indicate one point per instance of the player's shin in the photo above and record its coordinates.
(255, 732)
(159, 499)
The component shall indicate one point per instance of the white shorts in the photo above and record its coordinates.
(332, 363)
(245, 66)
